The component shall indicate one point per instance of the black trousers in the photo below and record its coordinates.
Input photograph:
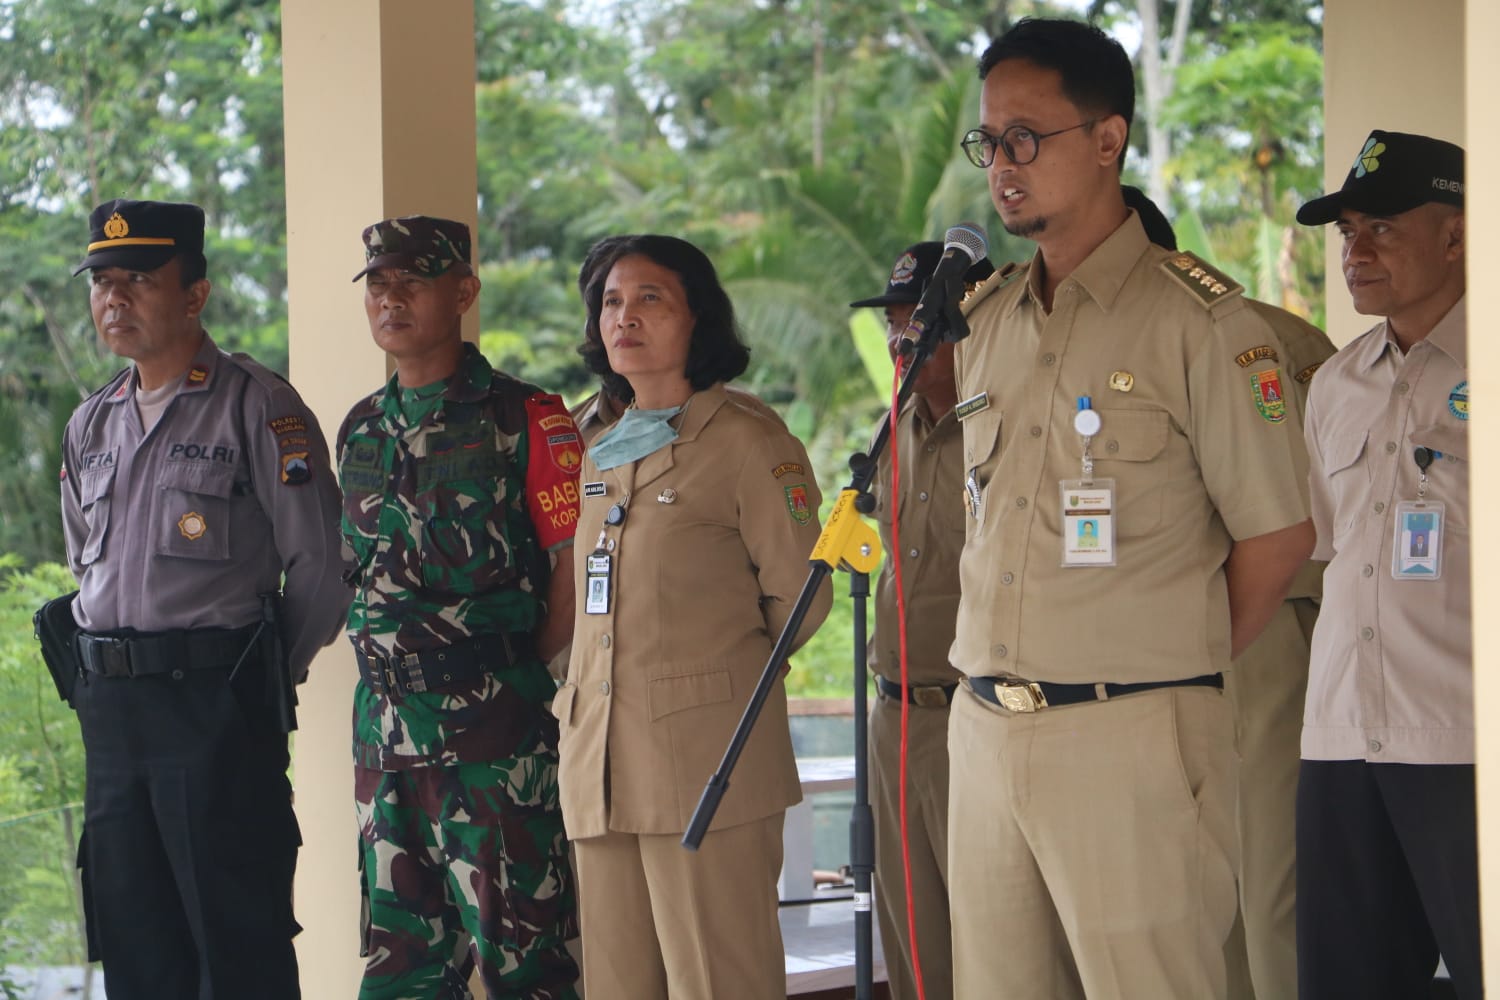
(189, 841)
(1387, 878)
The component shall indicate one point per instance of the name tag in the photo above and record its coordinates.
(972, 405)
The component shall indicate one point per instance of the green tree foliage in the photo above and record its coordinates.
(41, 785)
(117, 98)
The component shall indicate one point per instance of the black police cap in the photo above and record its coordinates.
(142, 235)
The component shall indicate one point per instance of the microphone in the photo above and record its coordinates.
(963, 246)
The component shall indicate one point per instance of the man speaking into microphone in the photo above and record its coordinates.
(1131, 476)
(929, 449)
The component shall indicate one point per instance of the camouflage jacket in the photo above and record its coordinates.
(449, 517)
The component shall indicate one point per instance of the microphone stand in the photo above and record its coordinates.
(847, 542)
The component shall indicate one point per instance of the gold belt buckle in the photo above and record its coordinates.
(929, 696)
(1021, 697)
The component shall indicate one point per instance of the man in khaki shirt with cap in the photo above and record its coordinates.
(1134, 520)
(929, 448)
(1388, 875)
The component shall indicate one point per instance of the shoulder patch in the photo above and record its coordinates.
(788, 469)
(1265, 352)
(1007, 274)
(1207, 283)
(1305, 375)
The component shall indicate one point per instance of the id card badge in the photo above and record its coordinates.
(1088, 522)
(1417, 550)
(596, 596)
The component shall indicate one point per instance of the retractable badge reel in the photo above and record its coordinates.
(1088, 504)
(1417, 549)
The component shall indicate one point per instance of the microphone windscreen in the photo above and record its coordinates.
(968, 237)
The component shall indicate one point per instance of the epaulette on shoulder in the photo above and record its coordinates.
(1205, 282)
(262, 375)
(989, 286)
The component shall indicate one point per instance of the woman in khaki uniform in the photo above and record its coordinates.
(697, 520)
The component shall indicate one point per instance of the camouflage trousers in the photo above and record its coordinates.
(460, 864)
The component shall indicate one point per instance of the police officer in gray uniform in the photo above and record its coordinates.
(195, 484)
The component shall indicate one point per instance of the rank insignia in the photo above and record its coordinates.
(192, 525)
(294, 468)
(1121, 381)
(796, 503)
(197, 375)
(1207, 283)
(1266, 388)
(1458, 400)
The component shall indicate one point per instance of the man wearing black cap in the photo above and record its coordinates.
(929, 448)
(194, 485)
(460, 493)
(1387, 862)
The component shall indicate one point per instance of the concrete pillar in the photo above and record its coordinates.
(1482, 211)
(379, 106)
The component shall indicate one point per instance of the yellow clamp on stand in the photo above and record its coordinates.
(847, 540)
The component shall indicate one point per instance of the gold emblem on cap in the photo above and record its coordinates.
(116, 227)
(192, 525)
(1121, 381)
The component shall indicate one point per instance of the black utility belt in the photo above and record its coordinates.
(925, 695)
(435, 669)
(144, 654)
(1019, 695)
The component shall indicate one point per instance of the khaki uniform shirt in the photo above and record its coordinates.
(1306, 349)
(1194, 434)
(932, 536)
(182, 526)
(705, 569)
(1391, 678)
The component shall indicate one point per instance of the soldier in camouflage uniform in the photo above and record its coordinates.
(460, 487)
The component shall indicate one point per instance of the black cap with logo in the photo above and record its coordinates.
(142, 235)
(1393, 173)
(914, 268)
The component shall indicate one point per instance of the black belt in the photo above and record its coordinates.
(434, 669)
(926, 695)
(142, 654)
(1032, 696)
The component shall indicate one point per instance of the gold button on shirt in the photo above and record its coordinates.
(1199, 450)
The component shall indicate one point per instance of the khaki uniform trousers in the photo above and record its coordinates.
(1267, 688)
(927, 830)
(1092, 848)
(662, 922)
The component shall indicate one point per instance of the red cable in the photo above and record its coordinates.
(911, 909)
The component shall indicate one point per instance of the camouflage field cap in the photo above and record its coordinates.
(1393, 173)
(419, 243)
(142, 235)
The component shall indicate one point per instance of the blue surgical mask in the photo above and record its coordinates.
(635, 435)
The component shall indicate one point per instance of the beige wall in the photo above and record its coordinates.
(379, 105)
(1482, 39)
(1395, 65)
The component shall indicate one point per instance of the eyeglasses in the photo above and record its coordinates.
(1020, 143)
